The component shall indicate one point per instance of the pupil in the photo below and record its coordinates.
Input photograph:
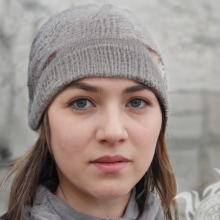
(81, 103)
(135, 103)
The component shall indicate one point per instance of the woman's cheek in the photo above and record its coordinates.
(69, 139)
(145, 134)
(145, 140)
(67, 129)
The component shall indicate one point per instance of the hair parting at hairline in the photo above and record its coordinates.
(38, 166)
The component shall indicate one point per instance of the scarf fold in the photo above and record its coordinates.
(47, 206)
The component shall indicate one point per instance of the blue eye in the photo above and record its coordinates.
(137, 103)
(81, 103)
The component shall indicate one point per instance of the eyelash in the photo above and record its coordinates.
(141, 99)
(71, 104)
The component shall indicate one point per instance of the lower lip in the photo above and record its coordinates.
(110, 167)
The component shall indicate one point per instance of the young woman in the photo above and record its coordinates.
(98, 100)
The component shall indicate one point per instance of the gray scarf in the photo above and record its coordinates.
(47, 206)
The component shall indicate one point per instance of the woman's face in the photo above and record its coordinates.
(103, 135)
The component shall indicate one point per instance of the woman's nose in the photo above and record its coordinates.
(111, 128)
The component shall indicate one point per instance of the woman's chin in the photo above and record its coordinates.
(110, 192)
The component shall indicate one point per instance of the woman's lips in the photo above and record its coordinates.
(110, 164)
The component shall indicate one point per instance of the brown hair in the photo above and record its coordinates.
(33, 169)
(159, 178)
(38, 166)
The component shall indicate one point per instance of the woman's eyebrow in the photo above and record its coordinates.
(135, 89)
(85, 87)
(99, 90)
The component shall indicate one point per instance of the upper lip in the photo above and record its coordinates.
(110, 159)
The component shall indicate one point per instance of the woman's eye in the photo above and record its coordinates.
(137, 103)
(81, 103)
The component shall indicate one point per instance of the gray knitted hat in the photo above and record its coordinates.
(91, 40)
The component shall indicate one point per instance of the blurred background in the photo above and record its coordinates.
(188, 33)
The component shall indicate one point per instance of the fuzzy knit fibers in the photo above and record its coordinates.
(94, 40)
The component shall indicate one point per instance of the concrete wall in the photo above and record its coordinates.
(188, 33)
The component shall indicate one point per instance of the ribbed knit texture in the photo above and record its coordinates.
(47, 206)
(87, 41)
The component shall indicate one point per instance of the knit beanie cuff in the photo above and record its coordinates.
(124, 58)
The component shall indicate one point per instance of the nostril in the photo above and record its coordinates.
(111, 132)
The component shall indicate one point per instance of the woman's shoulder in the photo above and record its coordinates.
(153, 209)
(41, 208)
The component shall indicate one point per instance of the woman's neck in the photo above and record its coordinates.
(87, 204)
